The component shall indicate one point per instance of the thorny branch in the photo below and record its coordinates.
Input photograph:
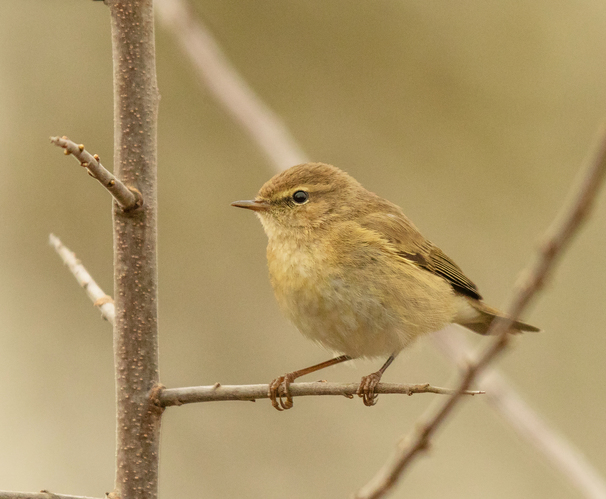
(533, 279)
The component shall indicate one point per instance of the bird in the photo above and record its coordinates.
(355, 275)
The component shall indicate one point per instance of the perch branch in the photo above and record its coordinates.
(229, 88)
(94, 292)
(218, 392)
(127, 198)
(534, 277)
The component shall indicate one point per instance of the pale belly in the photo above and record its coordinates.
(371, 309)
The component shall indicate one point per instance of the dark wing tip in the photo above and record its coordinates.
(438, 263)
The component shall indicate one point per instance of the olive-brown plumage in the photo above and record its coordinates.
(353, 273)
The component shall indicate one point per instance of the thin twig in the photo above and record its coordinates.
(555, 448)
(556, 239)
(44, 494)
(218, 392)
(128, 199)
(229, 88)
(94, 292)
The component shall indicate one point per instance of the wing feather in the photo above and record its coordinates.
(410, 244)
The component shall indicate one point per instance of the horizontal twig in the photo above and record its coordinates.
(43, 494)
(218, 392)
(557, 238)
(127, 198)
(94, 292)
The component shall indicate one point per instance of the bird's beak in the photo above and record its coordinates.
(252, 204)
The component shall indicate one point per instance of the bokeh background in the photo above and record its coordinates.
(473, 116)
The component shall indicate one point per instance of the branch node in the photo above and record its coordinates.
(138, 199)
(103, 300)
(154, 396)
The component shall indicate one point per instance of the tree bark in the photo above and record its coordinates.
(135, 273)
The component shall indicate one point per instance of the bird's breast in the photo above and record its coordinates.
(331, 304)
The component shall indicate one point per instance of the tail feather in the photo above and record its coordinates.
(477, 316)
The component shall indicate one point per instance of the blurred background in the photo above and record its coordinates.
(474, 117)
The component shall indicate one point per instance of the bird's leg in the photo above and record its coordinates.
(367, 386)
(279, 387)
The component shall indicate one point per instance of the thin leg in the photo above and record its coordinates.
(368, 384)
(279, 387)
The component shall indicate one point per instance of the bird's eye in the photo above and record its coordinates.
(300, 197)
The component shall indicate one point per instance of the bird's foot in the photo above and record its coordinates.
(278, 388)
(366, 390)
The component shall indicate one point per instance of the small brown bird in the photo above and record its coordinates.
(354, 274)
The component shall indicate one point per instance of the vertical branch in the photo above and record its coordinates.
(135, 275)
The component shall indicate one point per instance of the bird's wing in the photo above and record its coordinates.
(412, 246)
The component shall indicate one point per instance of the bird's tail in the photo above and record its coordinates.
(477, 316)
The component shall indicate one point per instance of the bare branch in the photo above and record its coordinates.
(568, 461)
(218, 392)
(94, 292)
(136, 99)
(557, 238)
(229, 88)
(127, 198)
(44, 494)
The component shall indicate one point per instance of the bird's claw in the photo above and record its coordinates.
(278, 388)
(366, 390)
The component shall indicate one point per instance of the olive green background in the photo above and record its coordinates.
(473, 116)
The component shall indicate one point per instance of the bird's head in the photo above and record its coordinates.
(306, 197)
